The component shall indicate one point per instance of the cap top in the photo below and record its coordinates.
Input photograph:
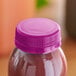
(38, 27)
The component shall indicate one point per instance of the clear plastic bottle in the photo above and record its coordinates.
(38, 51)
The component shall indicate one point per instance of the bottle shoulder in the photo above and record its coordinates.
(37, 64)
(18, 54)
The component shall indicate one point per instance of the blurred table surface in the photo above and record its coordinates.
(69, 47)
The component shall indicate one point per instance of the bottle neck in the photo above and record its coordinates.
(40, 50)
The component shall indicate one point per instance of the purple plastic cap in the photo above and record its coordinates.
(35, 34)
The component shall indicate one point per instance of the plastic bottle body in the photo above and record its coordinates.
(39, 54)
(26, 64)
